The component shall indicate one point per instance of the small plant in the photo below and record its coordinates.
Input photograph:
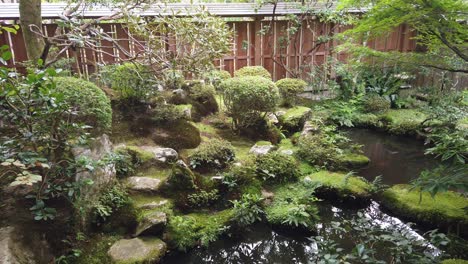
(248, 99)
(298, 216)
(215, 77)
(110, 201)
(213, 154)
(289, 88)
(202, 97)
(248, 209)
(253, 71)
(167, 113)
(133, 82)
(202, 199)
(375, 103)
(277, 167)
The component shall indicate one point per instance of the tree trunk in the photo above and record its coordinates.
(30, 14)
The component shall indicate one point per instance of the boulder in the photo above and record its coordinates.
(153, 205)
(137, 250)
(181, 178)
(152, 224)
(177, 135)
(267, 197)
(164, 155)
(143, 184)
(272, 118)
(310, 128)
(12, 250)
(294, 118)
(288, 152)
(261, 148)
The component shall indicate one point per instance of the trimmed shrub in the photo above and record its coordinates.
(213, 154)
(289, 88)
(91, 104)
(253, 71)
(216, 77)
(132, 81)
(277, 167)
(375, 103)
(247, 97)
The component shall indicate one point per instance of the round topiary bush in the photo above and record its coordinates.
(91, 104)
(253, 71)
(277, 167)
(289, 88)
(213, 154)
(375, 103)
(246, 98)
(132, 81)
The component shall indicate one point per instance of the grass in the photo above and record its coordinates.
(341, 184)
(94, 251)
(446, 207)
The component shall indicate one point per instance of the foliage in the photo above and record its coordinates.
(109, 202)
(123, 162)
(167, 113)
(375, 103)
(216, 153)
(181, 178)
(247, 98)
(289, 88)
(132, 81)
(442, 179)
(248, 209)
(202, 199)
(400, 244)
(216, 77)
(449, 145)
(344, 112)
(253, 71)
(437, 23)
(90, 104)
(277, 167)
(239, 176)
(202, 97)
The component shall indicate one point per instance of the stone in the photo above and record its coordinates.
(280, 113)
(153, 205)
(310, 128)
(152, 224)
(137, 250)
(267, 197)
(181, 178)
(288, 152)
(294, 118)
(261, 149)
(164, 155)
(12, 251)
(272, 118)
(144, 184)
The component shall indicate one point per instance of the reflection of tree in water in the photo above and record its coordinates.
(270, 248)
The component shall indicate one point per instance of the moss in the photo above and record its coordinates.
(206, 129)
(94, 251)
(181, 178)
(306, 168)
(263, 143)
(366, 120)
(143, 155)
(403, 121)
(184, 232)
(353, 161)
(294, 118)
(213, 154)
(177, 135)
(454, 261)
(275, 167)
(155, 172)
(446, 207)
(342, 185)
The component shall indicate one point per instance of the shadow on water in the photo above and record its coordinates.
(398, 159)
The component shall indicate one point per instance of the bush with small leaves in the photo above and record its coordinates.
(89, 102)
(375, 103)
(248, 209)
(253, 71)
(248, 97)
(108, 203)
(215, 77)
(277, 167)
(202, 199)
(132, 81)
(289, 88)
(213, 154)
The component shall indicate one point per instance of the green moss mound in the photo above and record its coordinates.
(353, 160)
(294, 118)
(90, 102)
(289, 88)
(202, 98)
(213, 154)
(177, 135)
(94, 250)
(275, 167)
(454, 261)
(403, 121)
(341, 185)
(446, 208)
(253, 71)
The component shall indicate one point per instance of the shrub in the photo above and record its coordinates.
(277, 167)
(213, 154)
(239, 176)
(289, 88)
(166, 113)
(90, 102)
(202, 199)
(132, 81)
(248, 97)
(109, 202)
(216, 77)
(173, 79)
(248, 209)
(375, 103)
(252, 71)
(315, 150)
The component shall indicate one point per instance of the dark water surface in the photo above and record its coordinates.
(398, 159)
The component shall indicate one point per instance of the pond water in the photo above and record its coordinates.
(398, 159)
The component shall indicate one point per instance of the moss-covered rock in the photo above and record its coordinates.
(185, 232)
(403, 121)
(353, 161)
(138, 156)
(454, 261)
(444, 210)
(177, 135)
(202, 98)
(94, 250)
(137, 250)
(294, 118)
(212, 154)
(275, 167)
(181, 178)
(340, 186)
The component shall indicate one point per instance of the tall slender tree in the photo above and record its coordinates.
(30, 21)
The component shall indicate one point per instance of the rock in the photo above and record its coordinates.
(294, 118)
(12, 251)
(272, 118)
(217, 178)
(280, 113)
(181, 178)
(137, 250)
(177, 135)
(164, 155)
(261, 149)
(267, 197)
(144, 184)
(152, 224)
(153, 205)
(310, 128)
(288, 152)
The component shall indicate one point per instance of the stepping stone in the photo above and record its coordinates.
(152, 224)
(137, 250)
(164, 155)
(261, 149)
(144, 184)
